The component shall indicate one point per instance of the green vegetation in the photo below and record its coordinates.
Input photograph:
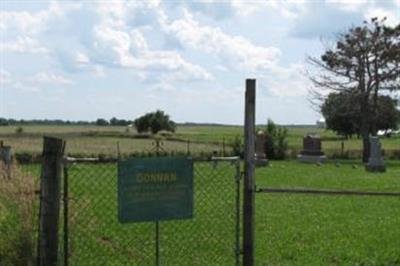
(276, 144)
(290, 229)
(154, 122)
(364, 64)
(327, 230)
(95, 140)
(17, 215)
(343, 116)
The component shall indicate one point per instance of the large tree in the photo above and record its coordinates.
(364, 62)
(343, 116)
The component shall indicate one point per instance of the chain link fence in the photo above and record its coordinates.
(95, 237)
(18, 215)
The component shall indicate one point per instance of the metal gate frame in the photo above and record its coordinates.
(234, 161)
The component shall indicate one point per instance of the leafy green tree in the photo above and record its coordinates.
(343, 116)
(154, 122)
(3, 122)
(365, 61)
(101, 122)
(388, 116)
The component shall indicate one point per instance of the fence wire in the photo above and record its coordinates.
(95, 237)
(18, 215)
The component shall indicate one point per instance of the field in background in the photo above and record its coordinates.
(103, 140)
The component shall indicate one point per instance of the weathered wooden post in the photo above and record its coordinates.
(53, 151)
(249, 164)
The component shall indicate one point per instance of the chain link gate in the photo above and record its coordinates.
(93, 235)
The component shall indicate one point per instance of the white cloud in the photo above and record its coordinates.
(22, 44)
(20, 30)
(118, 48)
(287, 81)
(81, 58)
(49, 78)
(236, 51)
(289, 9)
(346, 5)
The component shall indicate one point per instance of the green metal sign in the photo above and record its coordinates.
(155, 189)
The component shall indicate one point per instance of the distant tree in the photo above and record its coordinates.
(365, 61)
(388, 116)
(114, 121)
(119, 122)
(154, 122)
(343, 116)
(3, 122)
(142, 123)
(101, 122)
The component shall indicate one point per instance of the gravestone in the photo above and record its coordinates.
(6, 157)
(311, 152)
(5, 154)
(261, 158)
(375, 161)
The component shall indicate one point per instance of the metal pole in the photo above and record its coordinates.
(238, 177)
(249, 184)
(157, 223)
(53, 151)
(66, 243)
(223, 147)
(327, 192)
(157, 244)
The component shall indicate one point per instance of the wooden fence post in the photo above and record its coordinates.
(50, 180)
(249, 184)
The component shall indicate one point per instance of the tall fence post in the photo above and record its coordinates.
(249, 184)
(50, 186)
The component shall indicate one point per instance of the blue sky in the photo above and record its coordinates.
(81, 60)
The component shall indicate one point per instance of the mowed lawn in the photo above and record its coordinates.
(327, 230)
(290, 229)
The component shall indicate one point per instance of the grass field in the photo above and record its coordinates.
(103, 140)
(290, 229)
(327, 230)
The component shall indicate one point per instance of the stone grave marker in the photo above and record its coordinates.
(375, 161)
(311, 152)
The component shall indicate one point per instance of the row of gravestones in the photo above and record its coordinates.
(312, 152)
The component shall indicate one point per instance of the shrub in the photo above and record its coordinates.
(237, 146)
(276, 144)
(19, 130)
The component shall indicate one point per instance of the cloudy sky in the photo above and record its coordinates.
(81, 60)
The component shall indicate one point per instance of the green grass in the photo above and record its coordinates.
(290, 229)
(327, 230)
(16, 218)
(97, 238)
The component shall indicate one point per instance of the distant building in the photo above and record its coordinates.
(321, 123)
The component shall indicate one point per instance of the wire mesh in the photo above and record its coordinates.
(97, 238)
(18, 215)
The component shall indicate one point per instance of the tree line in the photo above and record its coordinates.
(57, 122)
(153, 122)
